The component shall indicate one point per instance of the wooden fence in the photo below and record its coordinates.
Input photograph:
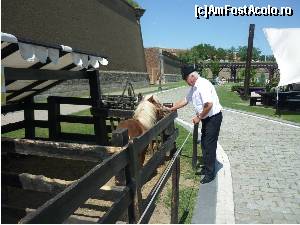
(50, 180)
(120, 157)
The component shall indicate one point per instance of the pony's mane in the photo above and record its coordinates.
(145, 113)
(153, 96)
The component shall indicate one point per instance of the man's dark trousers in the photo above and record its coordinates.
(209, 139)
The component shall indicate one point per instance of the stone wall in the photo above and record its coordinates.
(171, 65)
(172, 77)
(106, 27)
(110, 81)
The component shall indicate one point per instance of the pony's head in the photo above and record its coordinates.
(160, 109)
(149, 111)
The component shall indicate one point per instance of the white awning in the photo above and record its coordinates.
(24, 54)
(285, 44)
(18, 52)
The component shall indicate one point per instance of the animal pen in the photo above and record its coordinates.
(54, 179)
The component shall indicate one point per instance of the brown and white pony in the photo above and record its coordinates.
(147, 113)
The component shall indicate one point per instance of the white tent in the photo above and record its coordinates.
(285, 44)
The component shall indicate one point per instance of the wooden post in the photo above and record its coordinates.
(161, 61)
(248, 62)
(99, 120)
(195, 139)
(133, 180)
(54, 124)
(119, 139)
(175, 191)
(29, 118)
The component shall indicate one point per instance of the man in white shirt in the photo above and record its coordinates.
(208, 110)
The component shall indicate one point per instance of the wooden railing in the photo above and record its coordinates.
(121, 157)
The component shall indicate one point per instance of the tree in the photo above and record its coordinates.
(221, 54)
(242, 53)
(215, 68)
(231, 53)
(133, 3)
(242, 72)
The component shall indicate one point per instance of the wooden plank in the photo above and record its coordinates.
(84, 152)
(72, 100)
(12, 127)
(53, 113)
(59, 208)
(117, 209)
(133, 179)
(41, 123)
(41, 183)
(119, 139)
(142, 141)
(175, 192)
(82, 138)
(14, 214)
(40, 106)
(35, 74)
(25, 89)
(8, 50)
(32, 182)
(11, 214)
(75, 119)
(42, 90)
(29, 118)
(157, 158)
(12, 107)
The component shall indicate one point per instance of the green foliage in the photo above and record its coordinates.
(242, 74)
(232, 100)
(267, 58)
(207, 52)
(215, 68)
(270, 86)
(133, 3)
(242, 53)
(204, 73)
(236, 87)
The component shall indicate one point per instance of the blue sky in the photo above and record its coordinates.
(172, 24)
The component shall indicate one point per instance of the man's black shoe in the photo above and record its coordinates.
(207, 179)
(203, 171)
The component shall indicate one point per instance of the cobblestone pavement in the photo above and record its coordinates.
(265, 165)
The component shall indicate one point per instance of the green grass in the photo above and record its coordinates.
(65, 127)
(232, 100)
(166, 86)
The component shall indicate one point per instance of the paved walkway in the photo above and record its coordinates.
(265, 166)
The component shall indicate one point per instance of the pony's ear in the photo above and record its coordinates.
(151, 99)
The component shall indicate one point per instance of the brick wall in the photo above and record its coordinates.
(171, 65)
(152, 64)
